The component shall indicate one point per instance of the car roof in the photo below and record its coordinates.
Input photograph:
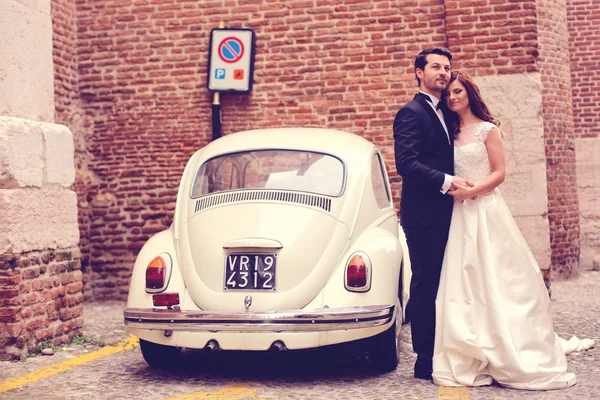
(342, 144)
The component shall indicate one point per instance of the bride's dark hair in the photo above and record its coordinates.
(476, 103)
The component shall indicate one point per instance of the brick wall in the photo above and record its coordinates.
(583, 20)
(69, 111)
(490, 37)
(557, 106)
(140, 69)
(345, 65)
(40, 300)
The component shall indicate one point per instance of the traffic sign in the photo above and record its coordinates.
(231, 50)
(231, 60)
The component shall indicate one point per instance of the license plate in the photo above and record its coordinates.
(250, 271)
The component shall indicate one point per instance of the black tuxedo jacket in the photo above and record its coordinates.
(423, 156)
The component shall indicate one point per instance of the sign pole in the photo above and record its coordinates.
(216, 107)
(216, 116)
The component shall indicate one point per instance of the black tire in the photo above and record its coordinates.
(385, 349)
(158, 355)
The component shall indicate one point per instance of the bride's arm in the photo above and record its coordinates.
(495, 151)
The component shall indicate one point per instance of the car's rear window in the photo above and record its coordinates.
(271, 169)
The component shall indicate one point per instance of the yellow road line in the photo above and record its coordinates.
(236, 391)
(453, 393)
(66, 365)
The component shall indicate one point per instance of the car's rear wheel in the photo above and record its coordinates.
(158, 355)
(385, 348)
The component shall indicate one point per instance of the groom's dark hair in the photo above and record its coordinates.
(421, 60)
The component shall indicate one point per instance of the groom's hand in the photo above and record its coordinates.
(458, 182)
(459, 189)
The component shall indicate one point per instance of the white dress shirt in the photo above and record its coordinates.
(433, 103)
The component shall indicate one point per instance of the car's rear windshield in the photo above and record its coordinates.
(271, 169)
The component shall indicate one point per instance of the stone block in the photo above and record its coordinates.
(513, 96)
(59, 155)
(27, 76)
(21, 153)
(37, 219)
(588, 185)
(536, 231)
(33, 154)
(525, 190)
(516, 100)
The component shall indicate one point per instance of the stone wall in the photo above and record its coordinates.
(516, 100)
(40, 277)
(26, 88)
(588, 182)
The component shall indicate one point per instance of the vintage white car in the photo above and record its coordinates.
(281, 239)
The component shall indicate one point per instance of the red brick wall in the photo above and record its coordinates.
(583, 20)
(348, 64)
(557, 106)
(70, 112)
(489, 37)
(41, 300)
(337, 64)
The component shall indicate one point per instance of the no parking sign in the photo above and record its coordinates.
(231, 60)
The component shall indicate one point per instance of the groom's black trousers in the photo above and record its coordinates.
(426, 246)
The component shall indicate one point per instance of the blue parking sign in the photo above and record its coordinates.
(220, 73)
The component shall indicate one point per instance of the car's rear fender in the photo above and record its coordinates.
(161, 242)
(385, 253)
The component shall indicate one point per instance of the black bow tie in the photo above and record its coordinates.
(439, 104)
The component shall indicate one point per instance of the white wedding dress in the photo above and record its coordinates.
(493, 318)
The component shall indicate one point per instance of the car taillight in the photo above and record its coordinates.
(358, 273)
(156, 273)
(165, 299)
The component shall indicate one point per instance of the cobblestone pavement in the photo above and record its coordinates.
(330, 373)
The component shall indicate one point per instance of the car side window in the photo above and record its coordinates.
(379, 182)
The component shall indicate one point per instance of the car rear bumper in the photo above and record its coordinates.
(316, 320)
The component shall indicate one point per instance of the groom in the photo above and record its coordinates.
(424, 151)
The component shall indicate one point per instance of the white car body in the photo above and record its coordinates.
(311, 235)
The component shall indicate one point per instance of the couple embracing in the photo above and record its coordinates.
(478, 307)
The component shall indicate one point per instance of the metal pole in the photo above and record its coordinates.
(216, 116)
(216, 107)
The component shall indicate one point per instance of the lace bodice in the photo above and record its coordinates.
(470, 154)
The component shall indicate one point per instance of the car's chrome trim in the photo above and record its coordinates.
(322, 319)
(253, 242)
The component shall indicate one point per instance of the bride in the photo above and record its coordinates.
(493, 317)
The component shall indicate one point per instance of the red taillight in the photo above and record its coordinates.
(356, 272)
(165, 299)
(156, 273)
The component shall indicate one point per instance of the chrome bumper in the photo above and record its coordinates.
(316, 320)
